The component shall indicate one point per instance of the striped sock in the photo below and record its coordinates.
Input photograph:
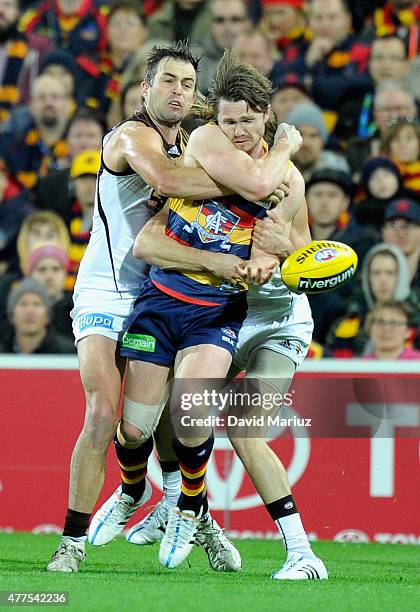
(285, 514)
(133, 464)
(193, 465)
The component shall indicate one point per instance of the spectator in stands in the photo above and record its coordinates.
(130, 99)
(14, 207)
(388, 328)
(76, 25)
(290, 92)
(61, 65)
(28, 309)
(384, 277)
(396, 17)
(402, 228)
(334, 61)
(329, 194)
(382, 181)
(387, 62)
(14, 50)
(180, 19)
(228, 20)
(285, 22)
(48, 264)
(256, 48)
(401, 142)
(56, 190)
(42, 145)
(309, 120)
(126, 33)
(40, 227)
(391, 100)
(84, 170)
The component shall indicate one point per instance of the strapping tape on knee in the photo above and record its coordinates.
(144, 417)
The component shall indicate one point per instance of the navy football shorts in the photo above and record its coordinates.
(159, 325)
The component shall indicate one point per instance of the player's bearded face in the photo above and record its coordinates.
(243, 126)
(172, 92)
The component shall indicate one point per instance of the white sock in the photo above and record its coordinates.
(294, 535)
(171, 487)
(79, 540)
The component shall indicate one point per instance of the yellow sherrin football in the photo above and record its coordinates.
(320, 266)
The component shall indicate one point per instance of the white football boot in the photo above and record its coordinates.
(152, 527)
(179, 537)
(112, 517)
(68, 557)
(300, 567)
(222, 554)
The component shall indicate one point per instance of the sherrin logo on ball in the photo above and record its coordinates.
(318, 267)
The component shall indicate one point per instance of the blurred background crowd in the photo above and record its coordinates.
(346, 73)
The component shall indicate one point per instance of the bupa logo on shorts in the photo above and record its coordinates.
(95, 319)
(326, 254)
(139, 342)
(227, 331)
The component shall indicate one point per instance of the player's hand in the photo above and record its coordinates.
(279, 194)
(259, 269)
(271, 238)
(289, 135)
(226, 266)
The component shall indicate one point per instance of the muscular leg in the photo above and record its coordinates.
(262, 464)
(101, 370)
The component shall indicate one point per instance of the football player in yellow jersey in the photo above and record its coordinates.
(275, 337)
(171, 326)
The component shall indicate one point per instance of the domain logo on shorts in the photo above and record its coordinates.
(95, 319)
(139, 342)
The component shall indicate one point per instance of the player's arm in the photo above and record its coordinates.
(156, 248)
(271, 235)
(142, 149)
(253, 179)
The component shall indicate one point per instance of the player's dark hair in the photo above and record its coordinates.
(234, 82)
(178, 51)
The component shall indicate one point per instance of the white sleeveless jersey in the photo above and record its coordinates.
(124, 203)
(274, 301)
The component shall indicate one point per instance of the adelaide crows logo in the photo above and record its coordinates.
(215, 223)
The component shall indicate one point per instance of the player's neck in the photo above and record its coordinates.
(169, 132)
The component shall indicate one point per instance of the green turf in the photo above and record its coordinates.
(122, 577)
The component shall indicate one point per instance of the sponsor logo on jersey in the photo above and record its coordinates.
(326, 255)
(215, 223)
(325, 283)
(139, 342)
(95, 319)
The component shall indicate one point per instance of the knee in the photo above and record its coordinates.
(101, 418)
(132, 434)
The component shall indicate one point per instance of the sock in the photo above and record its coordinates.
(76, 525)
(285, 514)
(133, 464)
(171, 477)
(193, 465)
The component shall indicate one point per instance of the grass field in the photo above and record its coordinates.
(123, 577)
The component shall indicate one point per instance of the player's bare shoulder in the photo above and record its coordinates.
(129, 139)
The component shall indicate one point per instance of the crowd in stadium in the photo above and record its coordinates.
(344, 73)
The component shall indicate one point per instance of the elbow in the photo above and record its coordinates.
(167, 185)
(141, 248)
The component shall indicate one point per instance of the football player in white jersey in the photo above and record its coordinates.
(136, 165)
